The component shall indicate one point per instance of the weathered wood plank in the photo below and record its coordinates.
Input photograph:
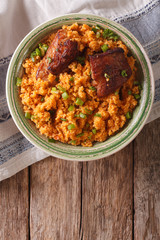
(147, 183)
(55, 199)
(107, 197)
(14, 207)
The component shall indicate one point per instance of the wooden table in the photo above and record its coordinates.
(113, 198)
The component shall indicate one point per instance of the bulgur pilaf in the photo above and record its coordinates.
(70, 111)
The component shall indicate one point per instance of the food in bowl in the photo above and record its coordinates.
(79, 85)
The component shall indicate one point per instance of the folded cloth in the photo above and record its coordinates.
(18, 17)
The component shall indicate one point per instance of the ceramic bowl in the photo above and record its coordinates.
(65, 151)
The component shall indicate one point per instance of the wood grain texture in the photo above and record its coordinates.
(14, 207)
(107, 197)
(147, 183)
(55, 200)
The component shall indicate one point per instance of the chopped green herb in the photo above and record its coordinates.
(54, 90)
(98, 34)
(107, 33)
(136, 83)
(49, 59)
(18, 82)
(61, 88)
(140, 87)
(77, 115)
(71, 79)
(94, 131)
(71, 108)
(90, 136)
(71, 126)
(128, 115)
(137, 96)
(80, 135)
(72, 142)
(33, 117)
(97, 115)
(98, 27)
(38, 52)
(42, 99)
(65, 95)
(129, 92)
(92, 88)
(43, 48)
(63, 119)
(81, 60)
(116, 93)
(56, 49)
(94, 29)
(51, 140)
(123, 73)
(104, 47)
(27, 115)
(88, 111)
(33, 54)
(114, 37)
(56, 79)
(82, 115)
(79, 101)
(106, 76)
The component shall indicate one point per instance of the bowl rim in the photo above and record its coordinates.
(86, 157)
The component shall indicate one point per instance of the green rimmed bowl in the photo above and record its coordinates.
(65, 151)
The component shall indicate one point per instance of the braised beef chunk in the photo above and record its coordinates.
(60, 54)
(109, 71)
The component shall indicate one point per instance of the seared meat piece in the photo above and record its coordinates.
(60, 54)
(109, 71)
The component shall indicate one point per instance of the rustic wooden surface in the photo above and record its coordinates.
(109, 199)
